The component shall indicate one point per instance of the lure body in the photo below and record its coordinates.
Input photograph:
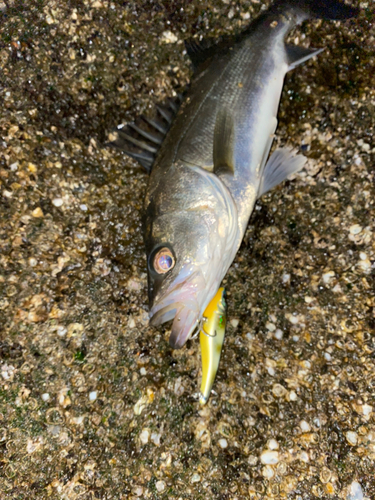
(211, 335)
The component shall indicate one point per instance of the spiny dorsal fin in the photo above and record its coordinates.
(298, 55)
(141, 140)
(224, 140)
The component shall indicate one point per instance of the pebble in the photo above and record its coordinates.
(366, 410)
(355, 492)
(195, 478)
(269, 457)
(352, 437)
(273, 444)
(234, 322)
(355, 229)
(155, 438)
(270, 327)
(83, 207)
(271, 371)
(279, 334)
(305, 427)
(169, 37)
(45, 396)
(278, 390)
(268, 472)
(144, 436)
(286, 278)
(38, 212)
(293, 396)
(223, 443)
(160, 486)
(58, 202)
(93, 395)
(328, 277)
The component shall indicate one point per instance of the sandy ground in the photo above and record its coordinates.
(93, 403)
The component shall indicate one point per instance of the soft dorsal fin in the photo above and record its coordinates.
(297, 55)
(199, 51)
(282, 163)
(141, 140)
(224, 140)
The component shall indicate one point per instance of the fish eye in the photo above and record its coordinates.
(163, 261)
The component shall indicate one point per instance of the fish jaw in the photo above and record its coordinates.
(181, 302)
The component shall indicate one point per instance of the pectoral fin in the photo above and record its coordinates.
(280, 165)
(224, 139)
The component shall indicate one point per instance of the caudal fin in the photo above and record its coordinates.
(322, 9)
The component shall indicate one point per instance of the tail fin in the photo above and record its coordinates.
(322, 9)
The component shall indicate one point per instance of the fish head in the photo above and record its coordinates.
(190, 245)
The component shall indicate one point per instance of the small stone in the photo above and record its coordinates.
(304, 456)
(93, 395)
(325, 475)
(169, 37)
(143, 371)
(61, 331)
(270, 327)
(155, 438)
(32, 262)
(234, 323)
(286, 278)
(83, 207)
(305, 427)
(271, 371)
(273, 444)
(252, 460)
(38, 212)
(293, 396)
(355, 492)
(160, 486)
(57, 202)
(352, 437)
(278, 390)
(269, 457)
(268, 472)
(45, 396)
(355, 229)
(144, 436)
(223, 443)
(279, 334)
(328, 277)
(195, 478)
(366, 410)
(138, 491)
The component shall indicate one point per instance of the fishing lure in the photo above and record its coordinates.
(212, 332)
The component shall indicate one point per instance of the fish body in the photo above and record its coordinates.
(211, 338)
(212, 164)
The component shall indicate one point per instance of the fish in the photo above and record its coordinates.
(211, 336)
(207, 154)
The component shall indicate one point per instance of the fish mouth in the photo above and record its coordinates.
(180, 302)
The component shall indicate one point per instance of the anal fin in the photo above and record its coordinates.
(281, 164)
(297, 55)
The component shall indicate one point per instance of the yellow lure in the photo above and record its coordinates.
(211, 337)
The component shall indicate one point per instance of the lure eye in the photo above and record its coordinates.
(163, 261)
